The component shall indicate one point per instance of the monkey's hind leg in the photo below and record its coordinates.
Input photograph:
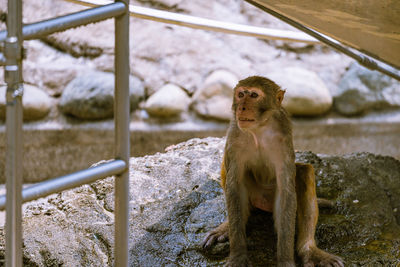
(218, 235)
(307, 217)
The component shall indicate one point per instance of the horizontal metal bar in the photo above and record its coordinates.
(207, 24)
(42, 28)
(68, 181)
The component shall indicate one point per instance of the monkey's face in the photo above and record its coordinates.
(248, 105)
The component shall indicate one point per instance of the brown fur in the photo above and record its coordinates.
(259, 171)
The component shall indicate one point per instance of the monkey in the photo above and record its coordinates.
(259, 171)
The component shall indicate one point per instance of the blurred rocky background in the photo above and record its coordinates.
(181, 87)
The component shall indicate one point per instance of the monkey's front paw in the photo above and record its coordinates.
(238, 261)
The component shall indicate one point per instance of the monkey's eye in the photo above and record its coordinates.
(241, 94)
(254, 95)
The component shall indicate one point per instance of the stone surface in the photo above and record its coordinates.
(306, 94)
(51, 69)
(36, 103)
(170, 100)
(362, 90)
(214, 99)
(88, 41)
(175, 198)
(91, 95)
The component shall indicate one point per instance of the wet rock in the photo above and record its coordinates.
(175, 198)
(362, 90)
(214, 99)
(170, 100)
(36, 103)
(306, 94)
(91, 95)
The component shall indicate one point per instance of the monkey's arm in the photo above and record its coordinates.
(237, 204)
(285, 213)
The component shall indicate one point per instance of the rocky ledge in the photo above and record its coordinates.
(176, 198)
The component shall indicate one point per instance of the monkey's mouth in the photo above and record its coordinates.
(245, 119)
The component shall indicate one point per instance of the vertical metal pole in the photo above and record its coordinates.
(121, 117)
(13, 170)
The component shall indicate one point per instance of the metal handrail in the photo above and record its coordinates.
(207, 24)
(12, 60)
(48, 187)
(45, 27)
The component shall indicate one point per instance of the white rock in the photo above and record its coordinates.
(170, 100)
(214, 99)
(362, 90)
(306, 94)
(223, 77)
(36, 103)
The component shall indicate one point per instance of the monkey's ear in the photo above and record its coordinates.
(279, 96)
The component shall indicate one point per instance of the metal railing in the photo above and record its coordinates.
(207, 24)
(12, 61)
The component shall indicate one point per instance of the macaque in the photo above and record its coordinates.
(259, 171)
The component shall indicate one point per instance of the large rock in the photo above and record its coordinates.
(170, 100)
(214, 99)
(91, 95)
(362, 90)
(306, 94)
(175, 198)
(36, 103)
